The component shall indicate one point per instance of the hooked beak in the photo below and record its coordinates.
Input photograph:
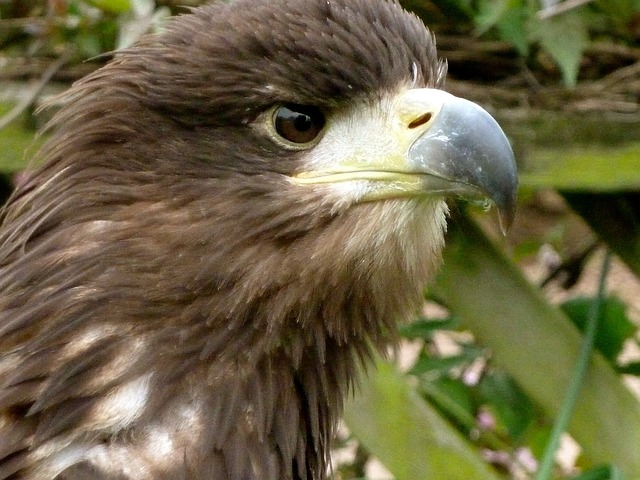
(465, 152)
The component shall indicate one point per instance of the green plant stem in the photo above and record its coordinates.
(548, 459)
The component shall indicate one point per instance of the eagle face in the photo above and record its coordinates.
(227, 216)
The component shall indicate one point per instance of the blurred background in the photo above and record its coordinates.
(478, 380)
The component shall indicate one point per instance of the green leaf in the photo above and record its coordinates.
(619, 12)
(490, 12)
(614, 327)
(565, 38)
(442, 365)
(509, 17)
(512, 407)
(632, 368)
(537, 438)
(18, 143)
(113, 6)
(407, 434)
(89, 44)
(465, 6)
(602, 168)
(537, 345)
(603, 472)
(453, 398)
(424, 327)
(512, 28)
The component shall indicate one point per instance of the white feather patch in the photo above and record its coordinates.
(118, 461)
(87, 337)
(60, 461)
(123, 405)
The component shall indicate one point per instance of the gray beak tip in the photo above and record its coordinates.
(506, 215)
(504, 192)
(466, 147)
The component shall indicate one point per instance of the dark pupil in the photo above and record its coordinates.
(298, 123)
(302, 122)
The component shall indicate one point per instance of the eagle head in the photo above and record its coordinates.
(227, 217)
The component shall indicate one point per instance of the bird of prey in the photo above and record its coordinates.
(227, 219)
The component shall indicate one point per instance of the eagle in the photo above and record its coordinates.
(228, 218)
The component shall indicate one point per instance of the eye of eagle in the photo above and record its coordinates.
(298, 124)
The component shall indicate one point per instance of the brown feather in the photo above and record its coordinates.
(171, 306)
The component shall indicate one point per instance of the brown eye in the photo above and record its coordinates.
(298, 124)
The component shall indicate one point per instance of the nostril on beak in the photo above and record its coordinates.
(421, 120)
